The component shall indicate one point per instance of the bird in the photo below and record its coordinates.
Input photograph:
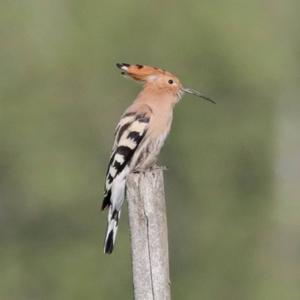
(139, 135)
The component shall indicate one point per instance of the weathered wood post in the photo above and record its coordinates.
(149, 235)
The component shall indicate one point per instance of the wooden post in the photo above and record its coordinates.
(149, 235)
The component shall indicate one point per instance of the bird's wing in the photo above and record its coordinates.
(130, 132)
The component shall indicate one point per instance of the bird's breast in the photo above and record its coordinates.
(159, 132)
(161, 123)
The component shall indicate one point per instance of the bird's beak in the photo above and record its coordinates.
(198, 94)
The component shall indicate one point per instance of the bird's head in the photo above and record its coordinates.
(157, 79)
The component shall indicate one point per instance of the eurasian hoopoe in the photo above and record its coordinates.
(140, 135)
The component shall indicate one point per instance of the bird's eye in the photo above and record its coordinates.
(170, 81)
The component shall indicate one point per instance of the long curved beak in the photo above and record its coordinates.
(198, 94)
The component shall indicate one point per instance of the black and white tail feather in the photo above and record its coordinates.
(129, 136)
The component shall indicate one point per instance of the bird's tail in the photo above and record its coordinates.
(112, 228)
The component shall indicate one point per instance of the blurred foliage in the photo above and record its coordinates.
(61, 97)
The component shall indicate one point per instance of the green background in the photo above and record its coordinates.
(233, 168)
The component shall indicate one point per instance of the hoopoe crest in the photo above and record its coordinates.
(140, 135)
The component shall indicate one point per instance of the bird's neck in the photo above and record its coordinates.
(157, 98)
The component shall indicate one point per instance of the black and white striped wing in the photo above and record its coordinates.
(130, 132)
